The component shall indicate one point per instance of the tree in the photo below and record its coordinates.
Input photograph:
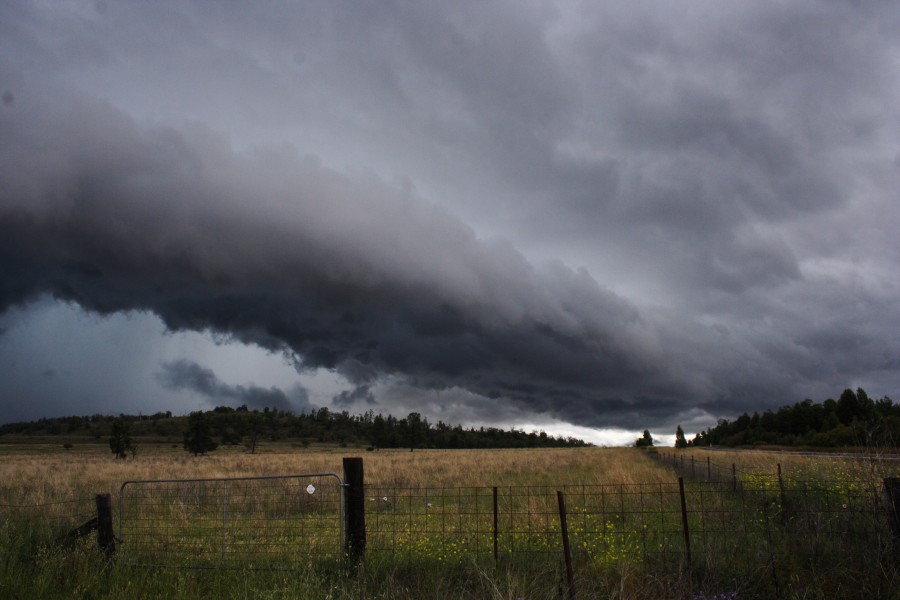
(378, 432)
(680, 442)
(645, 441)
(120, 437)
(416, 429)
(198, 437)
(232, 437)
(253, 429)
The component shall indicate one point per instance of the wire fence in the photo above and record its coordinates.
(660, 527)
(248, 522)
(28, 529)
(855, 466)
(50, 517)
(724, 525)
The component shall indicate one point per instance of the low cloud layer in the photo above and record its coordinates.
(187, 375)
(619, 215)
(274, 249)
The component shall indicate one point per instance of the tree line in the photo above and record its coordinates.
(854, 419)
(646, 440)
(204, 431)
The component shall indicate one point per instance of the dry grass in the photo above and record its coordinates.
(793, 465)
(34, 476)
(41, 474)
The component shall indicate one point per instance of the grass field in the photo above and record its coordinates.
(429, 523)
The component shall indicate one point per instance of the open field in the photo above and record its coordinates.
(794, 466)
(432, 530)
(91, 469)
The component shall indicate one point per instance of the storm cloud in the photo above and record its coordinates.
(624, 215)
(184, 374)
(276, 250)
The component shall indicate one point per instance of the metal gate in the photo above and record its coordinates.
(278, 522)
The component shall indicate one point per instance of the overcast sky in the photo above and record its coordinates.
(591, 217)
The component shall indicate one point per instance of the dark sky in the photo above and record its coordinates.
(592, 218)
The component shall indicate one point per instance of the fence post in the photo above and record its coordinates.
(496, 528)
(356, 507)
(684, 522)
(708, 469)
(892, 488)
(733, 477)
(224, 519)
(693, 472)
(781, 489)
(106, 539)
(567, 551)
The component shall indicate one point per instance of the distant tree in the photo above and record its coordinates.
(644, 441)
(232, 437)
(378, 432)
(699, 440)
(848, 407)
(120, 437)
(416, 429)
(253, 429)
(680, 442)
(198, 437)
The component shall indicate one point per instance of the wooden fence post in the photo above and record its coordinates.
(496, 526)
(106, 539)
(567, 551)
(356, 507)
(684, 523)
(892, 488)
(781, 489)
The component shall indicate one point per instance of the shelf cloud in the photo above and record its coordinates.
(611, 216)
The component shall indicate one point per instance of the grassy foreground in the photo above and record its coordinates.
(46, 492)
(37, 476)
